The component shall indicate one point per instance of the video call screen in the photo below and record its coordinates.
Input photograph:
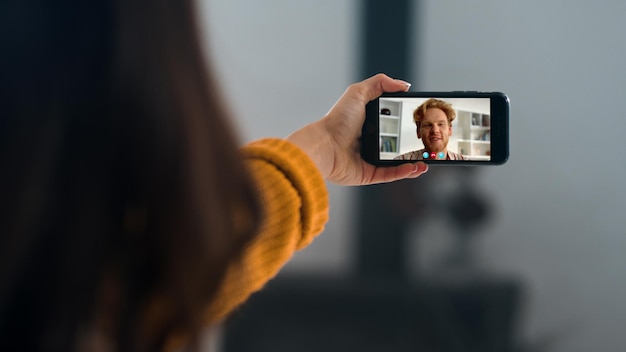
(469, 134)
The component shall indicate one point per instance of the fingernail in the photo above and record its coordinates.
(407, 84)
(416, 168)
(421, 166)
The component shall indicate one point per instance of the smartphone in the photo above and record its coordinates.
(446, 128)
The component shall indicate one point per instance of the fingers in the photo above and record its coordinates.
(389, 174)
(373, 87)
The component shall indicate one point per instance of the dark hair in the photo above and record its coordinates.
(123, 198)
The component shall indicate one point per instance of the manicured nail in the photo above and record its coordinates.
(407, 84)
(421, 166)
(416, 168)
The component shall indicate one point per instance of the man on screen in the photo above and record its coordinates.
(434, 126)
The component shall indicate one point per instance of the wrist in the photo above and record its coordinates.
(313, 140)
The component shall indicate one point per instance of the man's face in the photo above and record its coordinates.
(435, 130)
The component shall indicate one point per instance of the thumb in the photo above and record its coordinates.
(375, 86)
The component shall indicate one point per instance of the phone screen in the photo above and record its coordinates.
(447, 128)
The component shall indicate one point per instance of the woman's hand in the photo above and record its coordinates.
(333, 142)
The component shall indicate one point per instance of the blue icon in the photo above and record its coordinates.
(441, 155)
(425, 155)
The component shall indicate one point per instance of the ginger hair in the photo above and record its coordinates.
(418, 114)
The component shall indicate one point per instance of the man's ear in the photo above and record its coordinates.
(417, 130)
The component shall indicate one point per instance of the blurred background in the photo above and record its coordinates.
(521, 257)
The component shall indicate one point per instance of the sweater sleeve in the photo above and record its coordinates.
(295, 202)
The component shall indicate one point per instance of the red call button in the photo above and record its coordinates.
(433, 155)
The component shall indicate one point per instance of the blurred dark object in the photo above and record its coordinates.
(388, 211)
(385, 111)
(321, 314)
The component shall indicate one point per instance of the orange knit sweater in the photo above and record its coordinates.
(295, 201)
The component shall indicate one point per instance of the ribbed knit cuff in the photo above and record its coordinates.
(305, 177)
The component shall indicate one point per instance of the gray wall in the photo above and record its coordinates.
(560, 200)
(561, 197)
(284, 64)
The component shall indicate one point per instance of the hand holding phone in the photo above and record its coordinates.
(448, 128)
(332, 142)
